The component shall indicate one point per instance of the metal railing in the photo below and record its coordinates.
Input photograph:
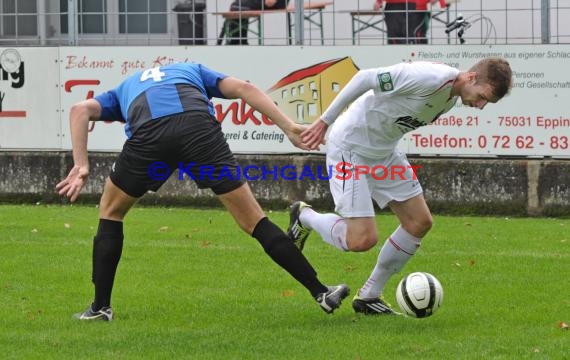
(174, 22)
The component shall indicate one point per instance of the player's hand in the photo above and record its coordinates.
(294, 135)
(314, 135)
(71, 186)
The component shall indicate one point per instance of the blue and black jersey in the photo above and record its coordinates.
(161, 91)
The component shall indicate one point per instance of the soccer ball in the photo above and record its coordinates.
(419, 294)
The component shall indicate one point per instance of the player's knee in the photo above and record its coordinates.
(362, 242)
(425, 223)
(420, 226)
(112, 211)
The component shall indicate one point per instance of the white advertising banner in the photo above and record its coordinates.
(534, 120)
(29, 99)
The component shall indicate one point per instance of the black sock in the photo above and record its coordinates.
(282, 250)
(107, 249)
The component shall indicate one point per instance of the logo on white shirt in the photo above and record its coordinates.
(385, 80)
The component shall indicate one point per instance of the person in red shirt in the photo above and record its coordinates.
(399, 20)
(407, 20)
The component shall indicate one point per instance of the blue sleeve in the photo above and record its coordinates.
(211, 79)
(110, 106)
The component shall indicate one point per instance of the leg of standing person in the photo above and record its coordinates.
(410, 25)
(213, 150)
(237, 31)
(128, 181)
(355, 230)
(391, 17)
(397, 22)
(238, 28)
(404, 197)
(182, 138)
(107, 250)
(419, 26)
(425, 26)
(415, 222)
(248, 214)
(355, 234)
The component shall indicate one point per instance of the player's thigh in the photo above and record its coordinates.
(114, 203)
(243, 206)
(351, 193)
(146, 160)
(205, 155)
(393, 179)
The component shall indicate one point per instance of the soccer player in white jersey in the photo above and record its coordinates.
(385, 103)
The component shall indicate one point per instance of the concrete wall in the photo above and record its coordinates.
(461, 186)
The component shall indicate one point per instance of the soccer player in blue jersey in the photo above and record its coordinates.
(169, 118)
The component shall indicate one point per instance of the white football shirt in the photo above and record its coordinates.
(387, 102)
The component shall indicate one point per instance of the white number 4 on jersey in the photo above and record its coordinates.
(153, 73)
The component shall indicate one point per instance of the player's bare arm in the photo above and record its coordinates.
(234, 88)
(314, 135)
(79, 117)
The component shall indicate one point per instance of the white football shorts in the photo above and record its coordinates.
(356, 180)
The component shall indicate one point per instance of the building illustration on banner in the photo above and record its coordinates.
(304, 94)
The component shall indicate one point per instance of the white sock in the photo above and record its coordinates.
(396, 252)
(331, 227)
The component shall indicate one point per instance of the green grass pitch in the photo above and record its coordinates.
(191, 285)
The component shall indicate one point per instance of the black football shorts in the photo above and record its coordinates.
(190, 145)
